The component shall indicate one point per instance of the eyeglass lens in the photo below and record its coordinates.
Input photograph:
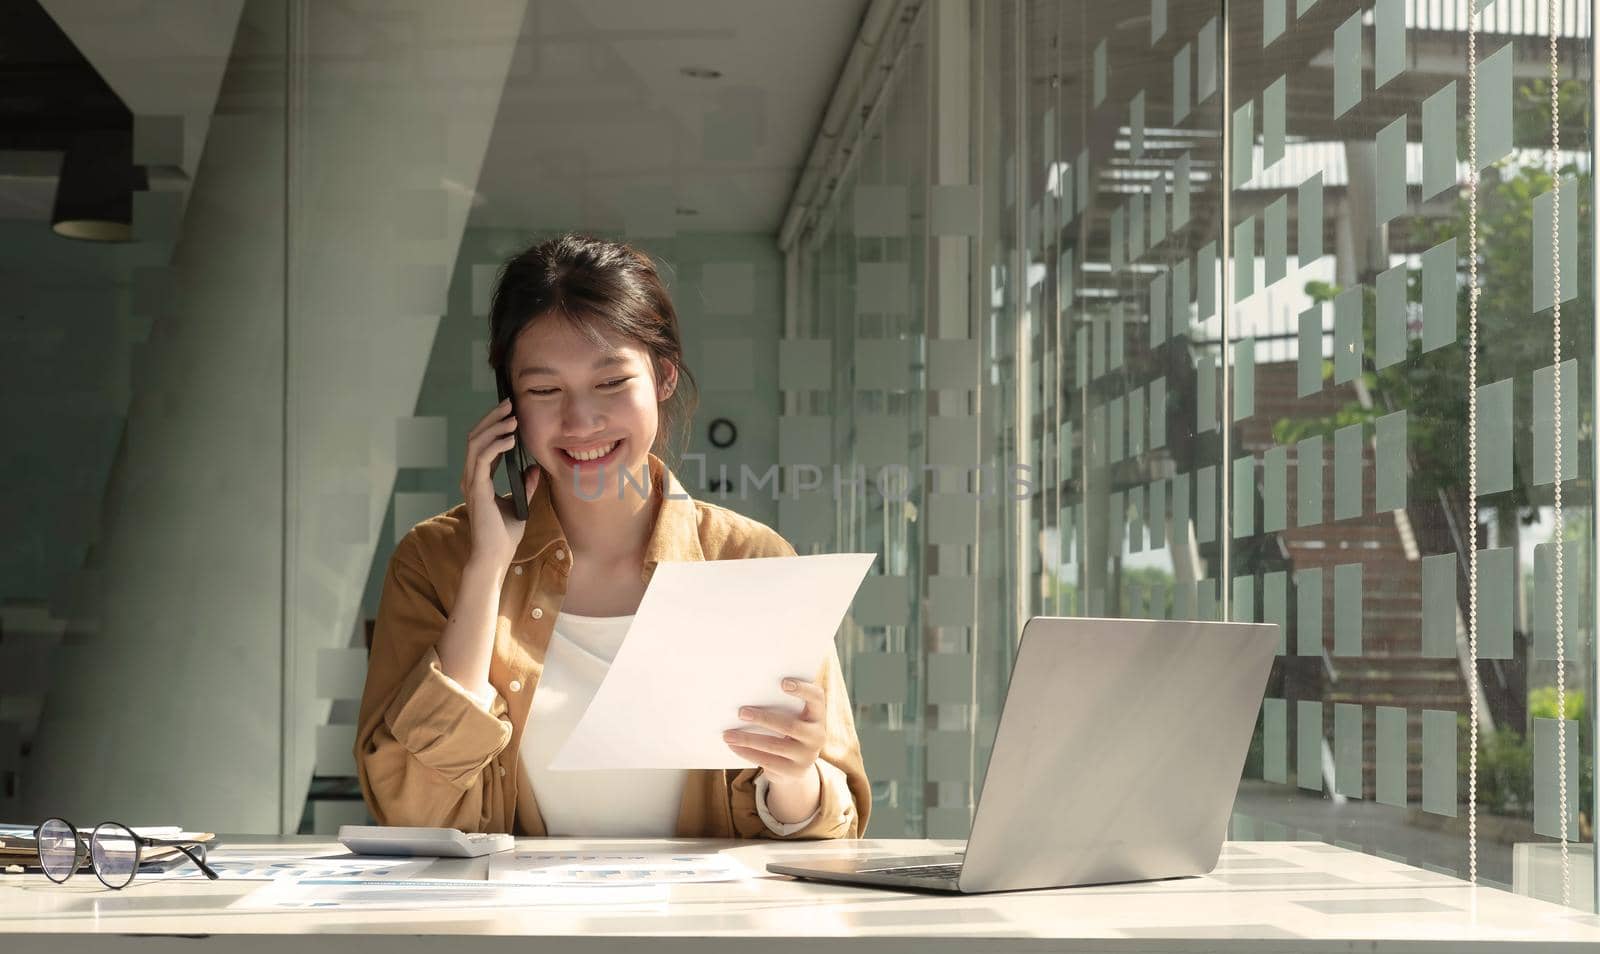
(116, 854)
(58, 849)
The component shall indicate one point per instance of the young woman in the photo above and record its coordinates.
(493, 633)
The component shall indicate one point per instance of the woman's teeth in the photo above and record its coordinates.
(595, 454)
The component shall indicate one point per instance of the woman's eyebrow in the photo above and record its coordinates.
(605, 361)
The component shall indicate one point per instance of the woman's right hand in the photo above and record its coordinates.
(496, 529)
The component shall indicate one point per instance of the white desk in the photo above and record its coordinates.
(1278, 897)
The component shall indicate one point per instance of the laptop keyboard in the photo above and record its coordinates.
(950, 871)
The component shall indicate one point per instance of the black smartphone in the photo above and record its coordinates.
(516, 461)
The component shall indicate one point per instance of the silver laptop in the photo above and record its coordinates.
(1117, 757)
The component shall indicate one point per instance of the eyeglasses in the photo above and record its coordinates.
(113, 850)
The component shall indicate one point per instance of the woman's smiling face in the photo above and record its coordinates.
(586, 410)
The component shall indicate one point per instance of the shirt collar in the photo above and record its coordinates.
(675, 534)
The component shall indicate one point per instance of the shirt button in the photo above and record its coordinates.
(516, 685)
(561, 555)
(502, 771)
(538, 613)
(517, 570)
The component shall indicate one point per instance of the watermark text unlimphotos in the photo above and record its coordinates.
(891, 481)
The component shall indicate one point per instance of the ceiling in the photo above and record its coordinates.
(598, 127)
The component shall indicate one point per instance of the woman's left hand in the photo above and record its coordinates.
(791, 755)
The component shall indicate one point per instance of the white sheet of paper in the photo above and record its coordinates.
(709, 638)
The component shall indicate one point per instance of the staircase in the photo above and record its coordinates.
(1391, 670)
(334, 796)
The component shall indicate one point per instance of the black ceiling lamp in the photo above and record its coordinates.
(55, 101)
(94, 196)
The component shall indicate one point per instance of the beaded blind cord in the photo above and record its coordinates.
(1555, 321)
(1472, 439)
(1553, 161)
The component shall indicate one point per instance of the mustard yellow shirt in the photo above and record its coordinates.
(429, 754)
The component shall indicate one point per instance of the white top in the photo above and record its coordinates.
(640, 803)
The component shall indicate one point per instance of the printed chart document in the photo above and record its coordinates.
(339, 893)
(267, 868)
(709, 638)
(615, 868)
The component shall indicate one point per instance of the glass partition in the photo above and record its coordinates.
(868, 309)
(144, 216)
(1354, 526)
(1219, 311)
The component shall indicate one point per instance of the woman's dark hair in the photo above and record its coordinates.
(596, 286)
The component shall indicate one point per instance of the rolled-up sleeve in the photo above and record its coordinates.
(826, 772)
(425, 745)
(443, 726)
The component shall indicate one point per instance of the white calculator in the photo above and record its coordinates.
(421, 842)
